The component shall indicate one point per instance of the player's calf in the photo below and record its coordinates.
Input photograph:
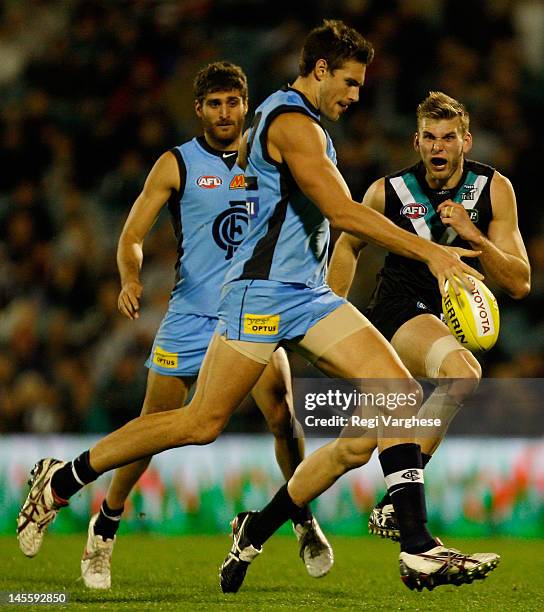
(350, 453)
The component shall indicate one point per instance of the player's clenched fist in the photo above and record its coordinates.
(456, 216)
(128, 301)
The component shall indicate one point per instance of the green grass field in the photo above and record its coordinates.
(154, 573)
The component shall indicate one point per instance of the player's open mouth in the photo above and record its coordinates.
(343, 106)
(438, 162)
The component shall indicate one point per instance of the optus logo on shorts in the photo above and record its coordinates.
(262, 325)
(164, 359)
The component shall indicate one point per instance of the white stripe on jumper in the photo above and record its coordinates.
(406, 197)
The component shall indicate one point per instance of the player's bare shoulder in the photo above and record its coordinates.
(503, 198)
(375, 196)
(162, 180)
(166, 170)
(295, 133)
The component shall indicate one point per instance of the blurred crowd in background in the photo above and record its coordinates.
(91, 93)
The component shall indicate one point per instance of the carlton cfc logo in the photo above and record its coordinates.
(414, 210)
(209, 182)
(230, 226)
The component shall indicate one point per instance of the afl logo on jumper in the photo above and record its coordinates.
(414, 210)
(230, 226)
(209, 182)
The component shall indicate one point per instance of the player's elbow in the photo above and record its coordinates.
(335, 219)
(520, 290)
(342, 219)
(128, 244)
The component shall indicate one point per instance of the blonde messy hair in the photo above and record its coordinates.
(437, 105)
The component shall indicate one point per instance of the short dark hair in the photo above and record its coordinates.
(438, 105)
(335, 42)
(219, 76)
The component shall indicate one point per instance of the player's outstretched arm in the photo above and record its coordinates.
(161, 181)
(300, 142)
(503, 255)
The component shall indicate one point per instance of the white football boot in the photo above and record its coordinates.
(40, 507)
(442, 565)
(315, 550)
(96, 559)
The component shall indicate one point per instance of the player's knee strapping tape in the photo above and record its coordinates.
(439, 350)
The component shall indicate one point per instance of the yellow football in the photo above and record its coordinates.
(472, 316)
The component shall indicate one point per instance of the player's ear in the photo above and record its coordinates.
(416, 141)
(467, 142)
(320, 69)
(198, 108)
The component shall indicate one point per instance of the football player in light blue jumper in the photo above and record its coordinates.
(204, 190)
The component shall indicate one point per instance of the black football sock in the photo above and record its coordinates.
(280, 509)
(108, 521)
(425, 459)
(302, 515)
(402, 468)
(73, 476)
(385, 500)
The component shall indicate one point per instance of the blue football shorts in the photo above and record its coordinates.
(271, 311)
(180, 344)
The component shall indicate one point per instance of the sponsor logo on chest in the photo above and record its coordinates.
(238, 182)
(468, 193)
